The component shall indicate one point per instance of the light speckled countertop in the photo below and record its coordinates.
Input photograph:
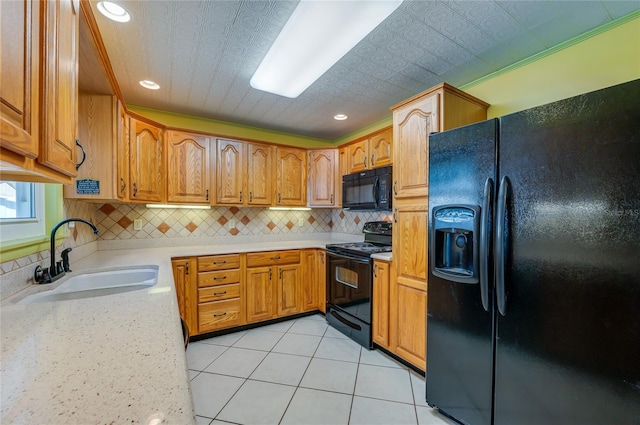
(111, 359)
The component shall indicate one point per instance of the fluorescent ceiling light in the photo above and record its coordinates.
(191, 207)
(315, 37)
(113, 11)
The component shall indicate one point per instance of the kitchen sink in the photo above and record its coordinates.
(89, 285)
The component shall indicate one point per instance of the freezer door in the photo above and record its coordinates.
(568, 335)
(459, 327)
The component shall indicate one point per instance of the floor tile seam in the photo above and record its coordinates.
(328, 391)
(337, 360)
(305, 334)
(382, 365)
(383, 399)
(288, 405)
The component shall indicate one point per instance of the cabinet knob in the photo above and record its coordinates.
(220, 278)
(84, 154)
(220, 315)
(123, 186)
(331, 200)
(250, 196)
(240, 196)
(219, 293)
(365, 162)
(207, 195)
(373, 159)
(135, 189)
(395, 187)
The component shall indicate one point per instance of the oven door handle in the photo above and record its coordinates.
(351, 257)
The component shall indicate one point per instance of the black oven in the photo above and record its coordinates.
(349, 287)
(368, 190)
(350, 281)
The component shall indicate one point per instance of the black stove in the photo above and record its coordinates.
(377, 238)
(350, 281)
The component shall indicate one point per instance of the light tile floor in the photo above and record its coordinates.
(302, 372)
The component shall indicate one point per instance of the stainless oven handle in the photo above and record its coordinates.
(350, 257)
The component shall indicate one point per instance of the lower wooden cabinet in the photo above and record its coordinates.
(219, 292)
(223, 291)
(380, 319)
(261, 299)
(185, 278)
(409, 335)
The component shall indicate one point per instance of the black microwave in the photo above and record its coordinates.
(367, 190)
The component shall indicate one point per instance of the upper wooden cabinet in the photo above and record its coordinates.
(438, 109)
(19, 68)
(244, 173)
(60, 86)
(229, 171)
(373, 151)
(39, 89)
(324, 181)
(147, 170)
(259, 174)
(99, 126)
(189, 177)
(291, 180)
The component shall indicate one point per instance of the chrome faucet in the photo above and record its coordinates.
(55, 273)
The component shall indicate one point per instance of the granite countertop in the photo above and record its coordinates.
(384, 256)
(111, 359)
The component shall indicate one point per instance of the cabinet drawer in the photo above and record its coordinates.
(218, 262)
(218, 278)
(273, 258)
(218, 293)
(218, 315)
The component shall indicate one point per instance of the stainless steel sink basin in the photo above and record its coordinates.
(98, 284)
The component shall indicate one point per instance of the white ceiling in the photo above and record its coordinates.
(203, 54)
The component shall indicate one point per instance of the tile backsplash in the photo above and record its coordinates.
(186, 226)
(116, 221)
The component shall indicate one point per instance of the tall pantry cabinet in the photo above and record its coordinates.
(438, 109)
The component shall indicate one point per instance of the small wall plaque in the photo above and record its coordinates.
(88, 187)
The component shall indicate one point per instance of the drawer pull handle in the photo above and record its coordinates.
(277, 257)
(220, 315)
(220, 278)
(220, 262)
(220, 293)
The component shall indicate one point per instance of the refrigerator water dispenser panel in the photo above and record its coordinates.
(454, 254)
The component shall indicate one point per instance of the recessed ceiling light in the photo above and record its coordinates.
(113, 11)
(316, 36)
(340, 117)
(148, 84)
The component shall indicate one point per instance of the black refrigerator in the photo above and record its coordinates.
(533, 310)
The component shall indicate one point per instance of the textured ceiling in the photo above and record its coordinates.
(203, 54)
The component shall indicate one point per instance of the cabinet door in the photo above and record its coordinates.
(291, 184)
(229, 171)
(322, 280)
(311, 281)
(380, 319)
(147, 174)
(410, 331)
(323, 178)
(189, 171)
(412, 124)
(380, 148)
(260, 294)
(259, 174)
(359, 156)
(123, 140)
(289, 289)
(343, 167)
(410, 243)
(60, 88)
(19, 50)
(184, 276)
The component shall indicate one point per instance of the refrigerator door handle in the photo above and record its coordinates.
(485, 242)
(500, 248)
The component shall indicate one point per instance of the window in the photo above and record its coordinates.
(21, 210)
